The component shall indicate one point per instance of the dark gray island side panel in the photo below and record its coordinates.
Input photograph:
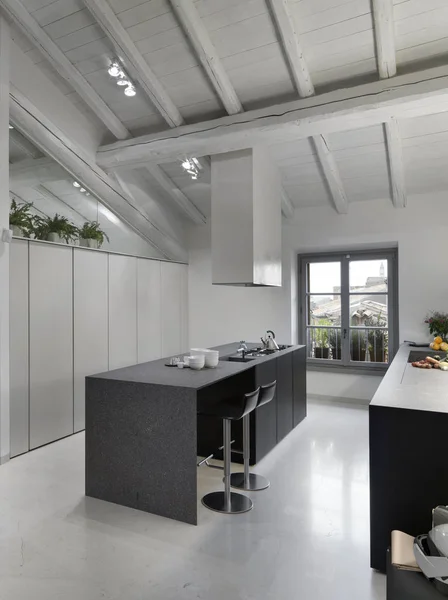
(141, 447)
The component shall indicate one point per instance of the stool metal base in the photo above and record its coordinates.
(238, 503)
(256, 482)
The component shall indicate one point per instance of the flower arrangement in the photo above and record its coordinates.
(438, 324)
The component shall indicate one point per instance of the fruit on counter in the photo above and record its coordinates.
(430, 363)
(438, 340)
(434, 346)
(444, 346)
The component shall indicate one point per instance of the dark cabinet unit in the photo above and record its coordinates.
(268, 424)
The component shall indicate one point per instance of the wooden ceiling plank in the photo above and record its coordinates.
(18, 13)
(134, 61)
(332, 175)
(292, 46)
(200, 40)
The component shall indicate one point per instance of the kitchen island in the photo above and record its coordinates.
(408, 425)
(144, 433)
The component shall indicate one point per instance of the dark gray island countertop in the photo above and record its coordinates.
(157, 373)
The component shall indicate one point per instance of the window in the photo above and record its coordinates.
(348, 308)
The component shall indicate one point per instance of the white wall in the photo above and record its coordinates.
(221, 314)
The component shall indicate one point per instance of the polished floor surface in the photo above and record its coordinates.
(306, 538)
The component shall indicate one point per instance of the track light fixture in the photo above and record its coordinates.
(192, 167)
(117, 71)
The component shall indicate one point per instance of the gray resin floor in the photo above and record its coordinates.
(307, 536)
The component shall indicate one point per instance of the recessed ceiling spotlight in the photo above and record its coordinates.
(82, 190)
(76, 184)
(130, 91)
(123, 81)
(11, 127)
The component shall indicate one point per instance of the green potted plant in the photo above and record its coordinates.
(335, 343)
(321, 347)
(378, 339)
(438, 324)
(21, 219)
(91, 236)
(55, 229)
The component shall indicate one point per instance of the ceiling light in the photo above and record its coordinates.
(82, 190)
(123, 81)
(191, 166)
(130, 91)
(76, 184)
(114, 70)
(11, 127)
(109, 215)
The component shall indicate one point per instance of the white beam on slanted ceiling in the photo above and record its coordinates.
(19, 14)
(39, 129)
(292, 46)
(199, 38)
(331, 172)
(134, 61)
(185, 204)
(404, 96)
(25, 145)
(396, 166)
(383, 24)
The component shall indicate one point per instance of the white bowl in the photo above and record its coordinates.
(196, 362)
(211, 361)
(198, 351)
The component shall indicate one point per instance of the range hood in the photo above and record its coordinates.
(246, 220)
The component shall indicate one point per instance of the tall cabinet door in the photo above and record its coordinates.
(18, 347)
(51, 343)
(171, 309)
(90, 323)
(149, 333)
(122, 311)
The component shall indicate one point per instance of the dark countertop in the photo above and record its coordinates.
(156, 373)
(404, 386)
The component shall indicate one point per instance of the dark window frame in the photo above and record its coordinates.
(346, 365)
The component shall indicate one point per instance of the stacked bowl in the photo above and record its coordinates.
(196, 361)
(211, 357)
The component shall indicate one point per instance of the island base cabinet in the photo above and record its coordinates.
(299, 385)
(285, 405)
(408, 474)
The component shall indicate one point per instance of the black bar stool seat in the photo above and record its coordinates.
(246, 480)
(230, 410)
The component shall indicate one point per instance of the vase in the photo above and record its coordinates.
(17, 232)
(87, 243)
(55, 237)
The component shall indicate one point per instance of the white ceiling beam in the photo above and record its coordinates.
(176, 194)
(18, 13)
(25, 146)
(200, 40)
(287, 205)
(404, 96)
(383, 22)
(292, 46)
(40, 130)
(134, 61)
(331, 172)
(396, 166)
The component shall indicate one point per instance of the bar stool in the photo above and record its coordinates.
(231, 410)
(247, 480)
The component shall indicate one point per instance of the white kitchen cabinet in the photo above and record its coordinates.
(149, 325)
(174, 309)
(18, 348)
(51, 343)
(90, 323)
(122, 311)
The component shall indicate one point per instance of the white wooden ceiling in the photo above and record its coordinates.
(338, 47)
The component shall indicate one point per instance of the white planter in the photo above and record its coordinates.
(54, 237)
(17, 232)
(88, 243)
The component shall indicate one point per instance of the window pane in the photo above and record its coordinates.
(368, 310)
(368, 275)
(324, 342)
(324, 310)
(324, 278)
(369, 345)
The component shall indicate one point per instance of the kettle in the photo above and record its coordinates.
(269, 342)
